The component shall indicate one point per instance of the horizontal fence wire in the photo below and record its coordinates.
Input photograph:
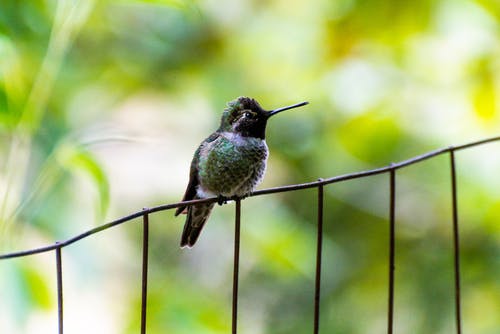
(319, 184)
(314, 184)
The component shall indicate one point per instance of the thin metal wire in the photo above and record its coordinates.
(144, 285)
(319, 245)
(236, 265)
(59, 290)
(281, 189)
(392, 250)
(456, 243)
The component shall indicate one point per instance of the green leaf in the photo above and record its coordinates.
(76, 158)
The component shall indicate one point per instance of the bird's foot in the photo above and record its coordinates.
(222, 200)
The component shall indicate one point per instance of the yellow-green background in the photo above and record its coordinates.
(102, 104)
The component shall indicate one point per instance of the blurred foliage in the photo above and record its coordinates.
(102, 104)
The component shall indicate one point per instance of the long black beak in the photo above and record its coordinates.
(275, 111)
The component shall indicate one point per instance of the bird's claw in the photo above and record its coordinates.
(234, 198)
(222, 200)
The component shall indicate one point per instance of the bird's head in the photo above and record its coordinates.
(246, 117)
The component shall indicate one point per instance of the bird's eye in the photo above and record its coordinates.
(248, 114)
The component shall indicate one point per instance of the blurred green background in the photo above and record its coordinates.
(102, 104)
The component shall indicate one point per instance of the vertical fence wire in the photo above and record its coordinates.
(145, 257)
(392, 214)
(319, 245)
(456, 242)
(236, 265)
(59, 290)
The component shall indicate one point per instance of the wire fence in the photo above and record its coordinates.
(319, 185)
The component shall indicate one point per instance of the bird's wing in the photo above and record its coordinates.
(193, 175)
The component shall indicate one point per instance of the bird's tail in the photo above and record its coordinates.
(197, 216)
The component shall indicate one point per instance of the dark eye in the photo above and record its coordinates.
(248, 114)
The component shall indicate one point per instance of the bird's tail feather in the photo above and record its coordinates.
(197, 216)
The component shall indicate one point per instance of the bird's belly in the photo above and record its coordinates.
(233, 172)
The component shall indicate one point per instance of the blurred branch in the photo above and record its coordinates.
(69, 19)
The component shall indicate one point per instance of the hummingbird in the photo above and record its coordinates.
(228, 164)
